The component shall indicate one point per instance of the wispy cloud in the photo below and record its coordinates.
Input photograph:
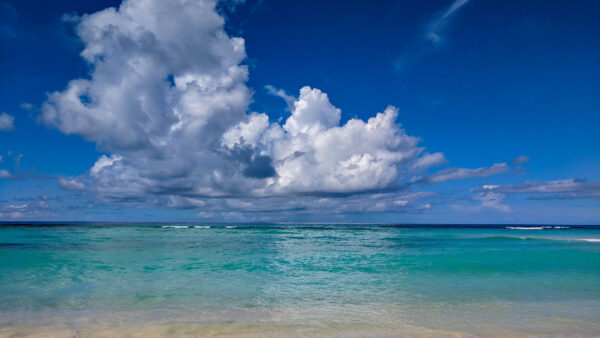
(289, 99)
(559, 189)
(70, 184)
(436, 26)
(25, 210)
(17, 160)
(432, 37)
(463, 173)
(487, 200)
(520, 160)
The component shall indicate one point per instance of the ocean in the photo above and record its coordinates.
(192, 279)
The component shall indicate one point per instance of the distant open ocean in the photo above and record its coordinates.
(192, 279)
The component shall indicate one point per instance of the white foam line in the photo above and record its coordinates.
(525, 228)
(593, 240)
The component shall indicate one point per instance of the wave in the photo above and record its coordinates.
(539, 227)
(526, 228)
(230, 226)
(175, 226)
(541, 238)
(593, 240)
(202, 226)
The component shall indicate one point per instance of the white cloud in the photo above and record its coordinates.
(6, 122)
(204, 214)
(401, 203)
(167, 100)
(493, 200)
(433, 34)
(487, 199)
(436, 26)
(429, 160)
(463, 173)
(17, 206)
(558, 189)
(34, 209)
(312, 114)
(27, 106)
(520, 160)
(5, 174)
(311, 152)
(425, 206)
(247, 132)
(103, 162)
(289, 99)
(166, 84)
(163, 72)
(70, 184)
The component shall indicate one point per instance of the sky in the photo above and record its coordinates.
(461, 112)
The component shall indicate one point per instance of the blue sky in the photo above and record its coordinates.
(251, 111)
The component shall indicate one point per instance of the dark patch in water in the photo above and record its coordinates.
(11, 244)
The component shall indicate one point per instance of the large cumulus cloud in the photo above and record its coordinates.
(167, 100)
(312, 152)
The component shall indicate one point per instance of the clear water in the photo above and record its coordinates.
(486, 281)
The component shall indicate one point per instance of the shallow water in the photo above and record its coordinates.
(299, 279)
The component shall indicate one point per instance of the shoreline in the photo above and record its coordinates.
(184, 329)
(257, 323)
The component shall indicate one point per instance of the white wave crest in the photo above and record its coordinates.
(526, 228)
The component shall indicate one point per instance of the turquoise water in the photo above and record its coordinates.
(466, 280)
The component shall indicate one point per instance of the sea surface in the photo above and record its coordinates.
(159, 279)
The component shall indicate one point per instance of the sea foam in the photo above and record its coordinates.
(593, 240)
(526, 228)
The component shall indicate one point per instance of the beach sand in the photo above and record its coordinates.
(182, 329)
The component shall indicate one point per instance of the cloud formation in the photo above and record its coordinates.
(5, 174)
(435, 27)
(312, 152)
(559, 189)
(289, 99)
(31, 209)
(70, 184)
(431, 39)
(520, 160)
(167, 100)
(463, 173)
(492, 196)
(6, 122)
